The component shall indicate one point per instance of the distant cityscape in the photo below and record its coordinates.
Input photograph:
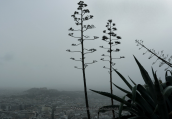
(43, 103)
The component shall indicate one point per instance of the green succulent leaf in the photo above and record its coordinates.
(147, 79)
(162, 107)
(113, 97)
(134, 93)
(167, 91)
(146, 95)
(121, 108)
(142, 103)
(132, 80)
(136, 112)
(155, 110)
(126, 82)
(121, 89)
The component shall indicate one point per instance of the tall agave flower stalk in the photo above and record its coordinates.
(80, 21)
(110, 27)
(160, 56)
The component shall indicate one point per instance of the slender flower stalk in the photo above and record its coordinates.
(81, 39)
(111, 27)
(153, 53)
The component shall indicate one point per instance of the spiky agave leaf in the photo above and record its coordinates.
(132, 80)
(147, 108)
(125, 91)
(143, 104)
(147, 79)
(113, 97)
(121, 107)
(146, 95)
(126, 82)
(134, 89)
(162, 107)
(167, 91)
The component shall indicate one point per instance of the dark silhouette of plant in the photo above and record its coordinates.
(81, 39)
(153, 53)
(111, 28)
(151, 102)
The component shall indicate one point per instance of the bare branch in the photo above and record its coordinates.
(76, 44)
(88, 52)
(94, 61)
(71, 34)
(103, 47)
(92, 50)
(74, 59)
(77, 67)
(114, 39)
(72, 51)
(86, 36)
(116, 58)
(104, 60)
(75, 37)
(95, 37)
(106, 68)
(154, 54)
(117, 50)
(105, 55)
(71, 29)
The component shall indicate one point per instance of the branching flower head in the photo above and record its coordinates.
(114, 35)
(73, 16)
(105, 38)
(118, 37)
(72, 58)
(117, 50)
(95, 37)
(76, 12)
(73, 44)
(94, 61)
(117, 42)
(114, 28)
(110, 20)
(86, 11)
(71, 29)
(81, 5)
(70, 34)
(91, 16)
(68, 50)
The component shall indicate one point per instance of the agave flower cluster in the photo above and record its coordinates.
(160, 56)
(111, 39)
(79, 21)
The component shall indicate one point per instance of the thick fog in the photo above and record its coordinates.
(34, 39)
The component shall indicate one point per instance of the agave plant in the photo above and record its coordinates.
(154, 101)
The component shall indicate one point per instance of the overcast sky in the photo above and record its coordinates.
(34, 39)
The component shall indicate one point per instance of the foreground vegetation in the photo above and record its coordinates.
(152, 101)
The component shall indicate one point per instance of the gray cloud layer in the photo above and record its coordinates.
(34, 38)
